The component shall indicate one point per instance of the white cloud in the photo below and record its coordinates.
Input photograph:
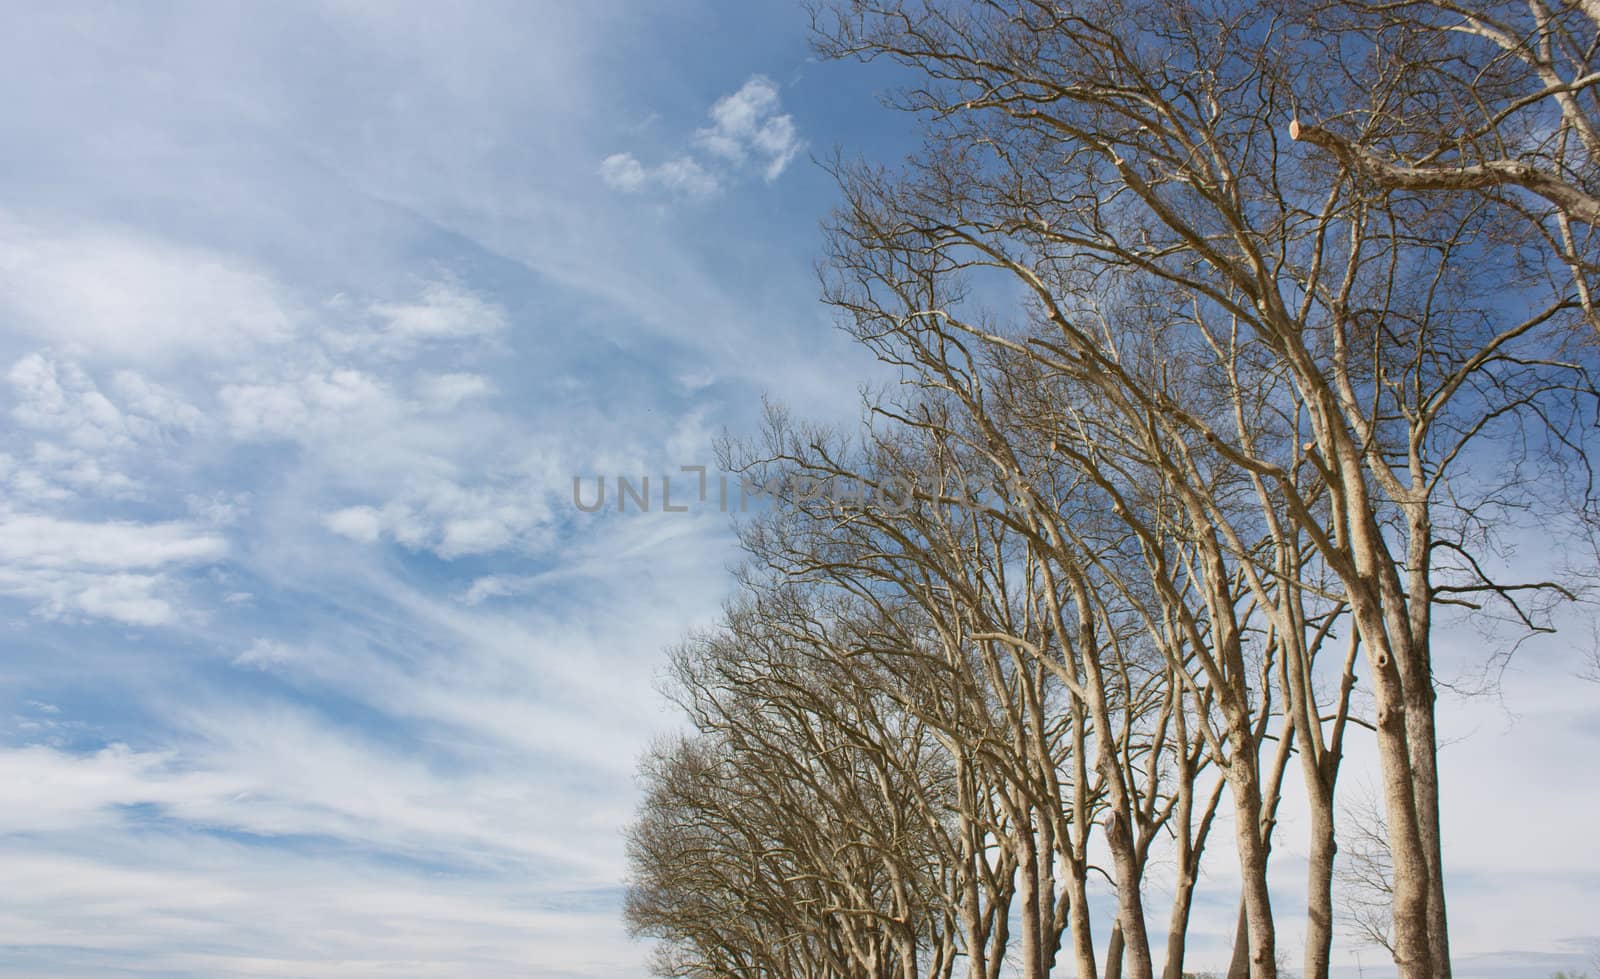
(451, 520)
(68, 792)
(482, 770)
(62, 472)
(295, 408)
(194, 906)
(112, 570)
(681, 176)
(47, 542)
(271, 770)
(160, 405)
(134, 599)
(119, 295)
(621, 171)
(443, 392)
(359, 523)
(443, 311)
(218, 509)
(59, 396)
(83, 438)
(62, 398)
(498, 586)
(266, 654)
(434, 473)
(748, 124)
(746, 128)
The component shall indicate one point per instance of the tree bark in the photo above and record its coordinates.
(1114, 952)
(1239, 965)
(1319, 887)
(1261, 938)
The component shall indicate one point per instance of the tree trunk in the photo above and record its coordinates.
(1412, 880)
(1239, 965)
(1178, 927)
(1421, 736)
(1081, 929)
(1131, 931)
(1383, 617)
(1253, 867)
(1028, 873)
(1114, 952)
(1319, 885)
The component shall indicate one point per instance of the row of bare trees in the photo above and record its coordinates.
(1232, 339)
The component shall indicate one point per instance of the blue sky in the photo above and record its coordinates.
(309, 314)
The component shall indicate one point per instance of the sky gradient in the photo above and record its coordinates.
(309, 316)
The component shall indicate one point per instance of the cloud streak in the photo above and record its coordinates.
(113, 570)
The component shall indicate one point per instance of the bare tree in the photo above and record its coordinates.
(805, 823)
(1366, 874)
(1126, 546)
(1117, 147)
(1499, 99)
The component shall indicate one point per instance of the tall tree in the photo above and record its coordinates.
(1106, 149)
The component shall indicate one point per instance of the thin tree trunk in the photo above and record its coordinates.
(1082, 930)
(1425, 781)
(1376, 602)
(1114, 952)
(1178, 927)
(1412, 880)
(1239, 965)
(1319, 886)
(1032, 959)
(1131, 931)
(1421, 736)
(1253, 868)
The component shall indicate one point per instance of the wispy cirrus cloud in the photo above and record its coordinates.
(298, 341)
(122, 571)
(105, 292)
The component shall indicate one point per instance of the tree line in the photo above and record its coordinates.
(1261, 329)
